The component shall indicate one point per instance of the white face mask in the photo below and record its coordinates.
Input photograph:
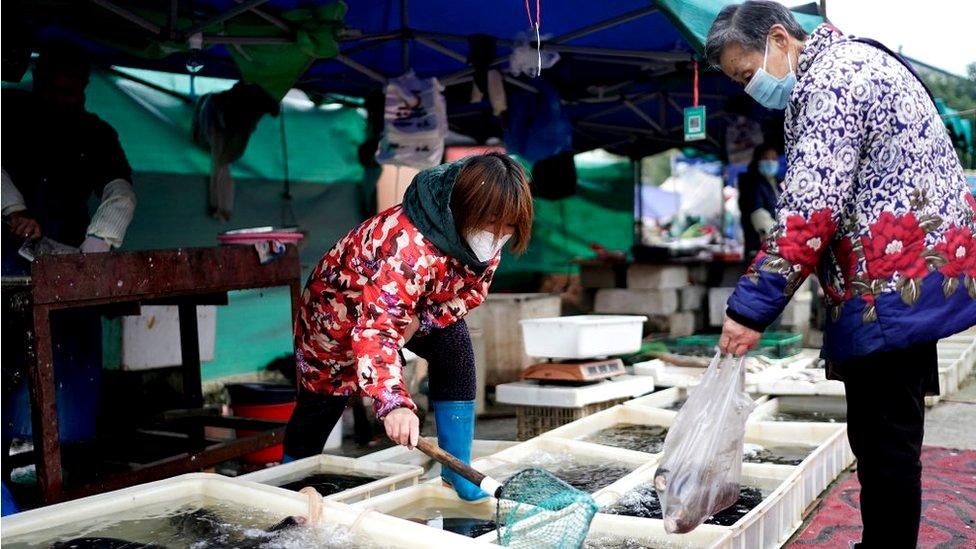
(485, 244)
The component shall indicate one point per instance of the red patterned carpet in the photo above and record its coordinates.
(948, 506)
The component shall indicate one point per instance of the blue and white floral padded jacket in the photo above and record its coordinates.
(874, 203)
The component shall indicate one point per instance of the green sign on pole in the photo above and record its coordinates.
(695, 123)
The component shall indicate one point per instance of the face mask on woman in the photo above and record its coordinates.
(485, 244)
(769, 168)
(769, 91)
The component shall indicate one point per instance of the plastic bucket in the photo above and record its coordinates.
(262, 401)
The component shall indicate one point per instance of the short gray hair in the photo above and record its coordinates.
(748, 25)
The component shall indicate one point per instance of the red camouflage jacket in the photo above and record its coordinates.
(360, 299)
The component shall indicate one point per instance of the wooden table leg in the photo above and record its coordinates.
(190, 349)
(44, 410)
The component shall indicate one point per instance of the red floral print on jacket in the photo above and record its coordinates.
(360, 299)
(895, 245)
(806, 238)
(959, 252)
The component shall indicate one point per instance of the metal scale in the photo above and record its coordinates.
(575, 371)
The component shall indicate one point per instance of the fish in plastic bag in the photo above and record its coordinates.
(701, 462)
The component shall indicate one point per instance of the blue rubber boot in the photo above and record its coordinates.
(285, 458)
(455, 433)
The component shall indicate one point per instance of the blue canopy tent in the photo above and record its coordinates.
(624, 77)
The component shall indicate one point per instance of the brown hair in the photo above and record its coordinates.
(492, 190)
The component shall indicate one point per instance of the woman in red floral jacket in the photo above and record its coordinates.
(408, 274)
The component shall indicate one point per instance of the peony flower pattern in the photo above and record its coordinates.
(895, 245)
(805, 239)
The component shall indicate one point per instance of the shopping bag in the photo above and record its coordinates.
(701, 463)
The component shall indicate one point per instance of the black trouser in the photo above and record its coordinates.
(885, 419)
(450, 359)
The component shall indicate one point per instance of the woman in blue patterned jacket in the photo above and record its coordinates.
(874, 202)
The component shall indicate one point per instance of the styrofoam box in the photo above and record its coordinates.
(152, 338)
(831, 405)
(393, 476)
(515, 458)
(769, 525)
(665, 375)
(435, 494)
(583, 336)
(666, 397)
(42, 525)
(533, 393)
(432, 469)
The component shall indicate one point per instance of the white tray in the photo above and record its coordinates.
(532, 393)
(393, 476)
(767, 526)
(59, 520)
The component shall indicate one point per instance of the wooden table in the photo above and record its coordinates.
(182, 277)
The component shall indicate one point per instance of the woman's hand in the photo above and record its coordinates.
(736, 338)
(403, 427)
(411, 328)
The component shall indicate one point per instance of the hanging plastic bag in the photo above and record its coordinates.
(701, 464)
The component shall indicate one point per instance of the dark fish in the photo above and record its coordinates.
(103, 543)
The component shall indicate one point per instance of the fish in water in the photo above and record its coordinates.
(103, 543)
(201, 524)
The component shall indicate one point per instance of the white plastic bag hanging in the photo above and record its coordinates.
(701, 463)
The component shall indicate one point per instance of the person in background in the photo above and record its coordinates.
(874, 201)
(55, 157)
(743, 134)
(758, 193)
(407, 277)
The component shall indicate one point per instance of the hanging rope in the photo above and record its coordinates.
(536, 25)
(694, 93)
(287, 211)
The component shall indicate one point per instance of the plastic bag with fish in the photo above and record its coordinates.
(701, 464)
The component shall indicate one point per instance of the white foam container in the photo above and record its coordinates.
(516, 457)
(432, 469)
(583, 336)
(769, 525)
(533, 393)
(59, 519)
(801, 404)
(393, 476)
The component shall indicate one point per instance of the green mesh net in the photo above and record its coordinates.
(537, 510)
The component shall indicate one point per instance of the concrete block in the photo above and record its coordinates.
(681, 324)
(643, 302)
(691, 298)
(717, 299)
(656, 277)
(797, 311)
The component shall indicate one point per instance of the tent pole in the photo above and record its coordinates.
(404, 39)
(604, 25)
(643, 116)
(280, 23)
(638, 202)
(128, 15)
(360, 68)
(247, 40)
(245, 5)
(439, 48)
